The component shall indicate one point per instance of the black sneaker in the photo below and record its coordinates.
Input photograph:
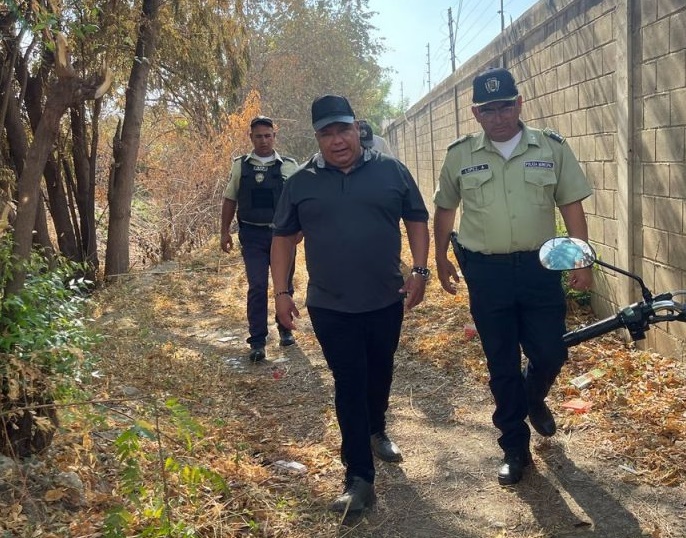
(257, 354)
(286, 338)
(358, 495)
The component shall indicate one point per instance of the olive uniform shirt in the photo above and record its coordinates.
(288, 166)
(509, 205)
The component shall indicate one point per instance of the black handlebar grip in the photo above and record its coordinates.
(603, 326)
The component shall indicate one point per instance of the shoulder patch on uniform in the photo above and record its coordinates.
(550, 133)
(459, 140)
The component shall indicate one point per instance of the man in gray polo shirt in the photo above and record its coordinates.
(348, 204)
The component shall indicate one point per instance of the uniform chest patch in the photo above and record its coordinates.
(539, 164)
(261, 168)
(475, 168)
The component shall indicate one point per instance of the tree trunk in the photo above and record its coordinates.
(57, 200)
(88, 227)
(28, 188)
(125, 153)
(67, 91)
(80, 181)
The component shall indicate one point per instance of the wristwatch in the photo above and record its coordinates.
(421, 271)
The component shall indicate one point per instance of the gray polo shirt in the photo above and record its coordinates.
(351, 225)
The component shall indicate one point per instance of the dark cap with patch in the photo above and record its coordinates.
(494, 84)
(329, 109)
(261, 120)
(366, 134)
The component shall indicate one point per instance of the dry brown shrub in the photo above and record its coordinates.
(181, 177)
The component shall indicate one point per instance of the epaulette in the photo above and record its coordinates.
(238, 158)
(459, 140)
(291, 159)
(554, 135)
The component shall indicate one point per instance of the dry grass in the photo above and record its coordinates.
(180, 334)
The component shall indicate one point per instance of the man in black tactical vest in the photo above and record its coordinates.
(252, 192)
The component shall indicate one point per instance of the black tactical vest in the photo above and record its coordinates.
(259, 191)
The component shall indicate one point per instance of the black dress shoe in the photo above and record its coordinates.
(358, 495)
(385, 449)
(512, 468)
(257, 354)
(286, 338)
(542, 419)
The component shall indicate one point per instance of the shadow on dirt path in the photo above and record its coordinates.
(440, 416)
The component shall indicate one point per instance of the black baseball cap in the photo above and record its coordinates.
(328, 109)
(261, 120)
(494, 84)
(366, 132)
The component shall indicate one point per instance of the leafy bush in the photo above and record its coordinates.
(161, 487)
(43, 349)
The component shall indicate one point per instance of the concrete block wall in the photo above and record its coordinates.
(610, 76)
(659, 201)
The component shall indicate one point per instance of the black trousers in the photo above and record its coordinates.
(256, 244)
(518, 306)
(359, 350)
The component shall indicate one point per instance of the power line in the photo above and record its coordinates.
(467, 27)
(480, 30)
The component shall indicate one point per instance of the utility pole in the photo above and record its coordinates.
(428, 66)
(402, 96)
(453, 34)
(502, 30)
(452, 38)
(502, 17)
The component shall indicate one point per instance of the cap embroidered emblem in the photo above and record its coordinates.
(259, 177)
(492, 85)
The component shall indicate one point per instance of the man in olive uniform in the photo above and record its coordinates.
(254, 188)
(509, 180)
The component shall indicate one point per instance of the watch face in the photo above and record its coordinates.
(422, 271)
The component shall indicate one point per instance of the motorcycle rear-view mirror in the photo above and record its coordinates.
(566, 253)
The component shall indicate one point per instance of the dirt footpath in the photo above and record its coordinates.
(182, 333)
(446, 486)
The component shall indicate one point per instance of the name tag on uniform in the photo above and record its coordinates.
(261, 168)
(539, 164)
(475, 168)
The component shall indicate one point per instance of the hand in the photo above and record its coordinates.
(226, 243)
(414, 288)
(447, 274)
(286, 311)
(581, 279)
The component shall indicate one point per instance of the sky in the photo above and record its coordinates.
(407, 26)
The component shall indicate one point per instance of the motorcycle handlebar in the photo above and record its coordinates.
(635, 318)
(601, 327)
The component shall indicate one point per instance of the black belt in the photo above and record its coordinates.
(255, 226)
(512, 257)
